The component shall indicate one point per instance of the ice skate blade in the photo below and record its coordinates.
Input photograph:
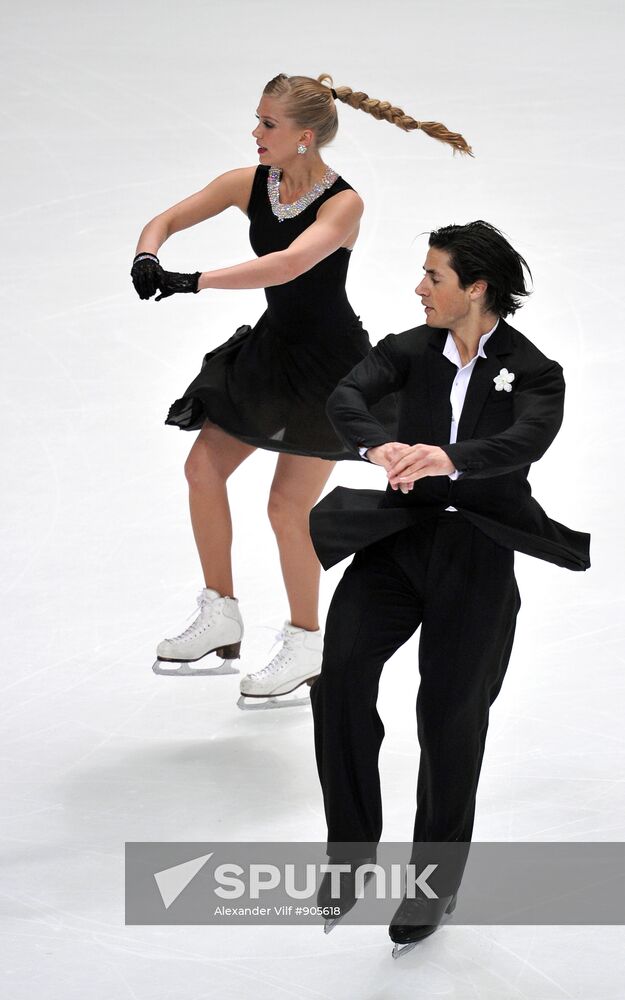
(260, 703)
(403, 949)
(189, 670)
(331, 924)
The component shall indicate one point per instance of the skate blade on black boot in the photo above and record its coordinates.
(184, 668)
(331, 924)
(345, 904)
(407, 936)
(261, 702)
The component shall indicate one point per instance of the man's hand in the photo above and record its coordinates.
(416, 462)
(387, 455)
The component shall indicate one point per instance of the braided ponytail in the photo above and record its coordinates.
(311, 103)
(384, 110)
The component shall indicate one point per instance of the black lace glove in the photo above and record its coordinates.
(145, 274)
(171, 282)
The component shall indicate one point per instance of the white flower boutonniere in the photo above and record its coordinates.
(504, 380)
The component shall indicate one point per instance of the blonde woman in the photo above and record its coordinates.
(267, 386)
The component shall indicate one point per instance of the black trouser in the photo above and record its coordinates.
(459, 585)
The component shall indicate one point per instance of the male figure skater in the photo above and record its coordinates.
(478, 403)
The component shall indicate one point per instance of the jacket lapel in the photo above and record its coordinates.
(441, 374)
(481, 381)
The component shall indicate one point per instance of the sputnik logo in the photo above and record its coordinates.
(172, 881)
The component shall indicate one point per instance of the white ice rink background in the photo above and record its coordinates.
(111, 112)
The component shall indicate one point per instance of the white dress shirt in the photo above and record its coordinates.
(458, 389)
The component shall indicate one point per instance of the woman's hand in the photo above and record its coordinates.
(171, 282)
(145, 274)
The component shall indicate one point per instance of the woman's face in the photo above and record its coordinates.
(277, 137)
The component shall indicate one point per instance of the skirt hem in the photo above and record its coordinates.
(196, 422)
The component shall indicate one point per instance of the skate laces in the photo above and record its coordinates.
(281, 656)
(204, 604)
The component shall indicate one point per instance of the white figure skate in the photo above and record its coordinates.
(297, 663)
(218, 628)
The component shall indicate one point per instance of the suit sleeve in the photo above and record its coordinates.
(538, 412)
(381, 372)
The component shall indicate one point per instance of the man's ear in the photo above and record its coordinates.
(478, 289)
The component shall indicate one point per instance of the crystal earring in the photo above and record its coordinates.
(302, 149)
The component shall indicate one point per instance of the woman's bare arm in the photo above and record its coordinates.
(230, 189)
(336, 222)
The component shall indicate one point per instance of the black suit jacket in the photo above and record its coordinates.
(500, 434)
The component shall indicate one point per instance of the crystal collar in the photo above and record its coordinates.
(283, 212)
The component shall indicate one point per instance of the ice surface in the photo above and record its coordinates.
(110, 113)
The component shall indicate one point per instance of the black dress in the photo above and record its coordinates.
(268, 386)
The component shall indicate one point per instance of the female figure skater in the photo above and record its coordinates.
(267, 387)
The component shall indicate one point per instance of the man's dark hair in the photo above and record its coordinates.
(478, 250)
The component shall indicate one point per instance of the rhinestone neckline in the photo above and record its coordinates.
(283, 212)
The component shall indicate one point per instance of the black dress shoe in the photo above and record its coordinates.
(346, 899)
(415, 919)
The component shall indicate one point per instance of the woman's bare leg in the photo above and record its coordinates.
(296, 487)
(212, 459)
